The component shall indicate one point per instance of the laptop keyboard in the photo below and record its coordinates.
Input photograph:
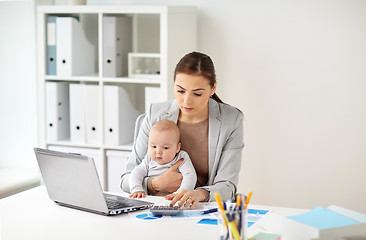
(113, 204)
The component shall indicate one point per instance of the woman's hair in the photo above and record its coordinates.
(198, 64)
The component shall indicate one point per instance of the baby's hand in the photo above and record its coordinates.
(138, 195)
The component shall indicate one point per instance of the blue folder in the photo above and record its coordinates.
(51, 45)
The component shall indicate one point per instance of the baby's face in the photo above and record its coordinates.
(163, 146)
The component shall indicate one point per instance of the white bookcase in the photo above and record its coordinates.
(165, 32)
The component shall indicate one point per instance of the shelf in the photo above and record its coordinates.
(165, 33)
(91, 78)
(155, 80)
(132, 80)
(124, 147)
(72, 144)
(104, 9)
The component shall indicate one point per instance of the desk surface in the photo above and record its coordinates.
(32, 215)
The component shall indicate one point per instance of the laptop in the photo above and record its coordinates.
(72, 181)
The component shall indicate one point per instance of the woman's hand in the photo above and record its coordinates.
(169, 181)
(188, 198)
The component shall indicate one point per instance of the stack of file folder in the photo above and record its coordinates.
(69, 53)
(119, 116)
(84, 113)
(117, 42)
(57, 111)
(73, 113)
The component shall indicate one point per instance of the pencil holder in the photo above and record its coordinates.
(232, 224)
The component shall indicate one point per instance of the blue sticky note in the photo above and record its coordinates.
(322, 218)
(250, 224)
(257, 211)
(210, 221)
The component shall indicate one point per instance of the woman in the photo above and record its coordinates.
(211, 133)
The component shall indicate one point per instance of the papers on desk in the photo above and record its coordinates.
(322, 218)
(324, 223)
(186, 213)
(319, 223)
(253, 217)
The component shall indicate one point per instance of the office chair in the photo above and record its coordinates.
(138, 123)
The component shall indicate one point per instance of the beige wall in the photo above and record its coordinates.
(297, 71)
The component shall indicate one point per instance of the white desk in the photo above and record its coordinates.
(32, 215)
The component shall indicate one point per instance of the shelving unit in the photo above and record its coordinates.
(167, 31)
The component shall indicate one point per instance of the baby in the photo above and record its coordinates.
(163, 152)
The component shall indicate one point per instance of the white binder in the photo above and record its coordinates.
(51, 45)
(152, 95)
(117, 43)
(94, 153)
(77, 113)
(119, 116)
(57, 111)
(75, 54)
(116, 166)
(92, 114)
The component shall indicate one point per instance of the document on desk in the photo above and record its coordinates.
(185, 214)
(254, 215)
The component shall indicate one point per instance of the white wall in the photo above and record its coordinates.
(298, 68)
(301, 71)
(18, 102)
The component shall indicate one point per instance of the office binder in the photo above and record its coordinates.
(51, 59)
(77, 113)
(57, 111)
(117, 42)
(116, 166)
(51, 45)
(74, 53)
(92, 114)
(152, 95)
(119, 116)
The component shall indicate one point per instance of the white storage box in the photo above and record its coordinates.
(144, 65)
(116, 165)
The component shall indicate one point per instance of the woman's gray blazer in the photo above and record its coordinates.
(225, 145)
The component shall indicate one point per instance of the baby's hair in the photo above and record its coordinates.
(166, 125)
